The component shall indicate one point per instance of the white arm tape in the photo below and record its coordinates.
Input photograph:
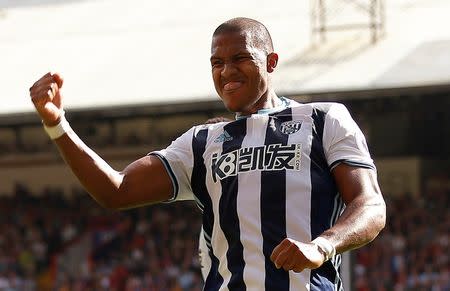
(58, 130)
(325, 246)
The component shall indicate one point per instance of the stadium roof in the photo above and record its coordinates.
(114, 53)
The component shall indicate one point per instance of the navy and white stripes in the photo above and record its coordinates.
(261, 179)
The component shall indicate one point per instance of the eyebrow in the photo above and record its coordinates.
(233, 56)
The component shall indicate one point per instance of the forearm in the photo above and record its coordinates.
(359, 224)
(98, 178)
(103, 183)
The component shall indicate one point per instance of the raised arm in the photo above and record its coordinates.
(144, 181)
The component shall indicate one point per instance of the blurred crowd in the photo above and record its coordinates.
(412, 252)
(152, 248)
(156, 247)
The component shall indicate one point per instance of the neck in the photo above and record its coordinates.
(267, 101)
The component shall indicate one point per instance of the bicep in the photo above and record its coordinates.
(365, 212)
(145, 181)
(357, 182)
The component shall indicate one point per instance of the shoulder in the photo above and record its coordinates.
(203, 131)
(329, 112)
(320, 112)
(327, 107)
(210, 126)
(322, 108)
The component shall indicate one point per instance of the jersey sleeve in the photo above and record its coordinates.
(343, 140)
(177, 158)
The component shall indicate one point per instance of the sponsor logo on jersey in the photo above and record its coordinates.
(274, 157)
(290, 127)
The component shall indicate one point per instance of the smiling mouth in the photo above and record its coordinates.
(233, 85)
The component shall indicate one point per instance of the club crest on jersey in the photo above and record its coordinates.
(273, 157)
(290, 127)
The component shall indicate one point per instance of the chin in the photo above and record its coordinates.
(230, 104)
(233, 108)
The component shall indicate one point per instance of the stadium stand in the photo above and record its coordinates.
(152, 248)
(412, 251)
(155, 248)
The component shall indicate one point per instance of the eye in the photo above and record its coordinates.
(216, 63)
(242, 58)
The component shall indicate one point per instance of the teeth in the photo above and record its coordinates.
(232, 85)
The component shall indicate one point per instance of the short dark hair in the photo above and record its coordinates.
(258, 32)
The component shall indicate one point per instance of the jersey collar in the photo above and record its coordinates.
(265, 111)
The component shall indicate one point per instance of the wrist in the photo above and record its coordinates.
(325, 247)
(59, 129)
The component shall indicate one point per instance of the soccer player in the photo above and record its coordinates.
(284, 189)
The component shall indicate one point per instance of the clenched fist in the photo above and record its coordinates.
(292, 255)
(46, 97)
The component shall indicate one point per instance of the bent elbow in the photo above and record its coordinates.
(382, 216)
(108, 205)
(107, 199)
(379, 219)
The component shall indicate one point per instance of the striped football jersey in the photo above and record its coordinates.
(263, 178)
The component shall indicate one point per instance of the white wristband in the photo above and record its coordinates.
(58, 130)
(325, 246)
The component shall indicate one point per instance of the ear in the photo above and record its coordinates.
(272, 61)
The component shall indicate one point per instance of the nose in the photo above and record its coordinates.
(228, 69)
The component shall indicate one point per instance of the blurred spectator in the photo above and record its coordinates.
(155, 248)
(412, 252)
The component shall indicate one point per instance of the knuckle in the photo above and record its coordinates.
(274, 256)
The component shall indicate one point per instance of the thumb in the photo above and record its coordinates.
(57, 99)
(53, 109)
(58, 79)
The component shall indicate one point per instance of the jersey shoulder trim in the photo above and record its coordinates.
(171, 175)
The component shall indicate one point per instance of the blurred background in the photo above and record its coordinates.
(137, 75)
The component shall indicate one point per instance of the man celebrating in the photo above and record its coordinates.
(284, 189)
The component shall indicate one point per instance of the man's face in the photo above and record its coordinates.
(239, 71)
